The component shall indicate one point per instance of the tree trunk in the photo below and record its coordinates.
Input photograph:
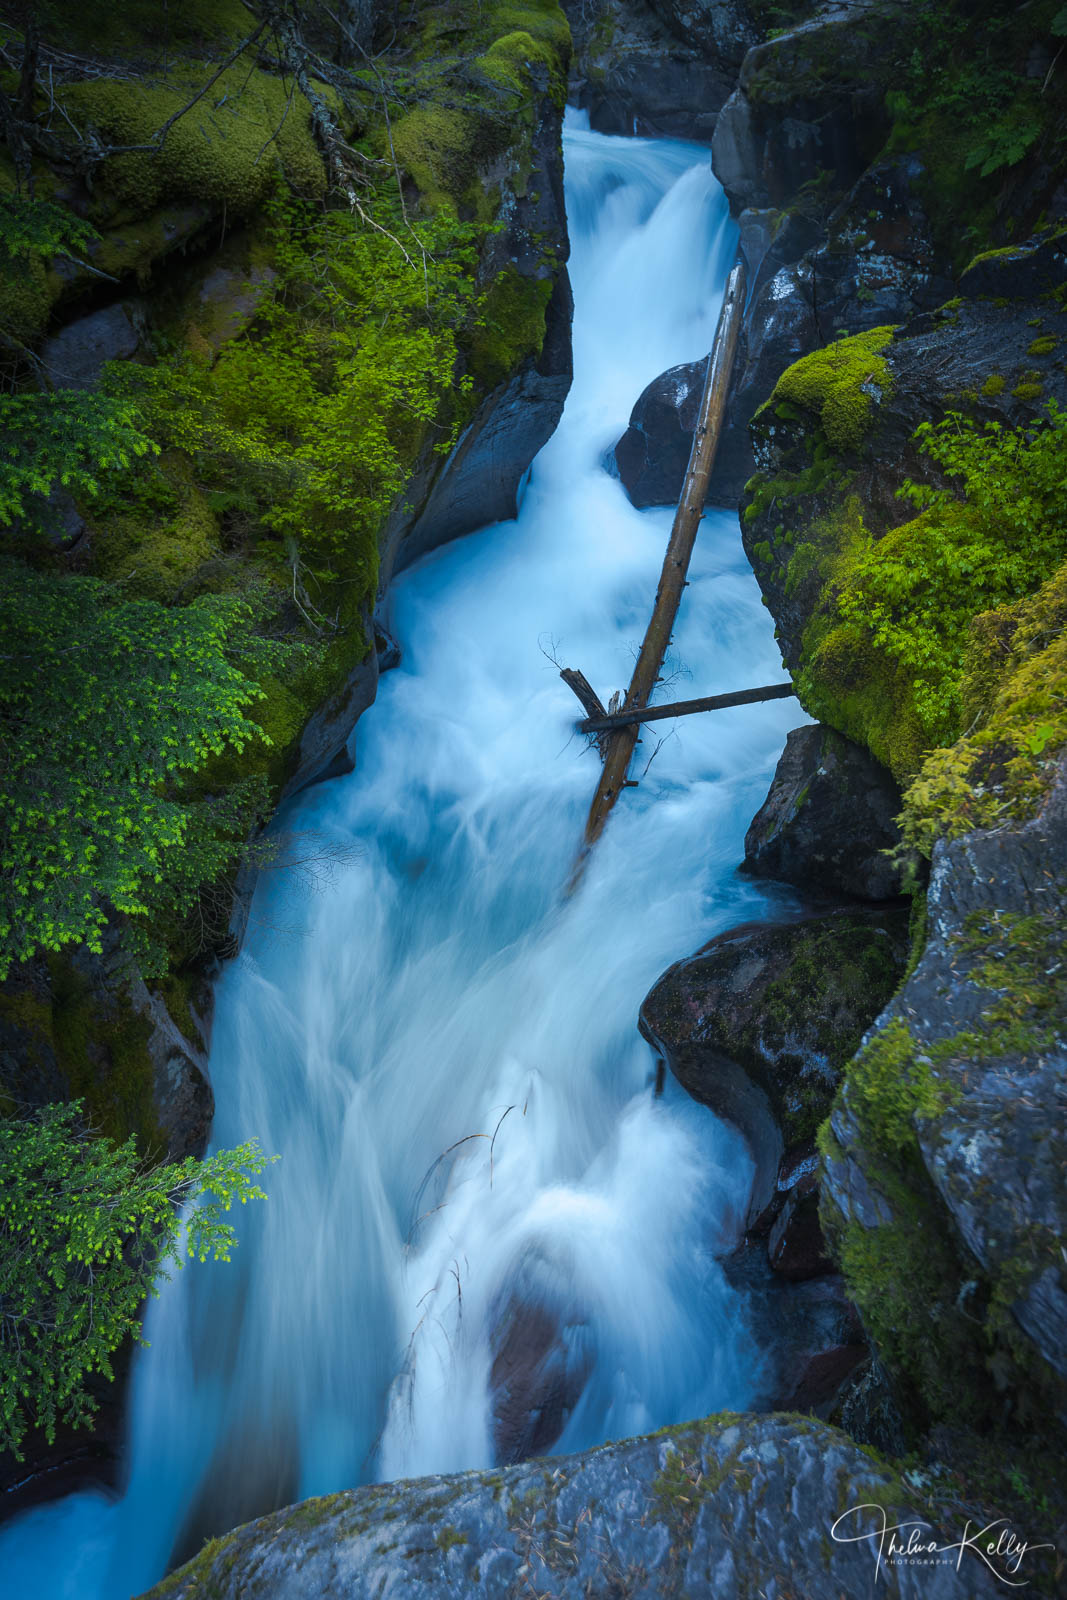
(675, 564)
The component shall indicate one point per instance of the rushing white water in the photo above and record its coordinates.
(440, 986)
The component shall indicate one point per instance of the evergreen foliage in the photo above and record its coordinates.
(85, 1228)
(40, 228)
(103, 703)
(68, 438)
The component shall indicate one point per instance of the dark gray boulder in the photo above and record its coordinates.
(879, 263)
(323, 750)
(820, 1381)
(540, 1367)
(780, 326)
(74, 357)
(652, 456)
(808, 103)
(479, 483)
(730, 1507)
(828, 819)
(637, 69)
(760, 1023)
(722, 30)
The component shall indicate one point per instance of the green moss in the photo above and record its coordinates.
(144, 30)
(313, 1513)
(509, 61)
(1029, 388)
(787, 486)
(135, 244)
(893, 1085)
(993, 386)
(26, 297)
(447, 1538)
(512, 326)
(437, 145)
(917, 927)
(156, 545)
(1014, 687)
(214, 154)
(837, 383)
(489, 108)
(1012, 252)
(844, 679)
(102, 1051)
(1044, 346)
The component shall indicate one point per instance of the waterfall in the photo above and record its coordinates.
(479, 1192)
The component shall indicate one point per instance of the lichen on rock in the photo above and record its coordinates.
(729, 1506)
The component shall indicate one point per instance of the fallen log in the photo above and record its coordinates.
(591, 701)
(675, 563)
(607, 721)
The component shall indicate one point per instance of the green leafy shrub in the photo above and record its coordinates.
(85, 1228)
(41, 229)
(902, 607)
(32, 234)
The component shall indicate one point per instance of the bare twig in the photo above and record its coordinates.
(492, 1143)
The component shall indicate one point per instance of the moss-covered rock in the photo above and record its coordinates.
(828, 823)
(214, 153)
(836, 549)
(838, 387)
(696, 1509)
(943, 1162)
(760, 1023)
(83, 1027)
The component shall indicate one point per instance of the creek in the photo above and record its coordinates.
(421, 985)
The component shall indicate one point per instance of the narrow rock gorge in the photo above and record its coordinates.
(685, 1235)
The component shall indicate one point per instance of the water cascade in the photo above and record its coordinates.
(479, 1193)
